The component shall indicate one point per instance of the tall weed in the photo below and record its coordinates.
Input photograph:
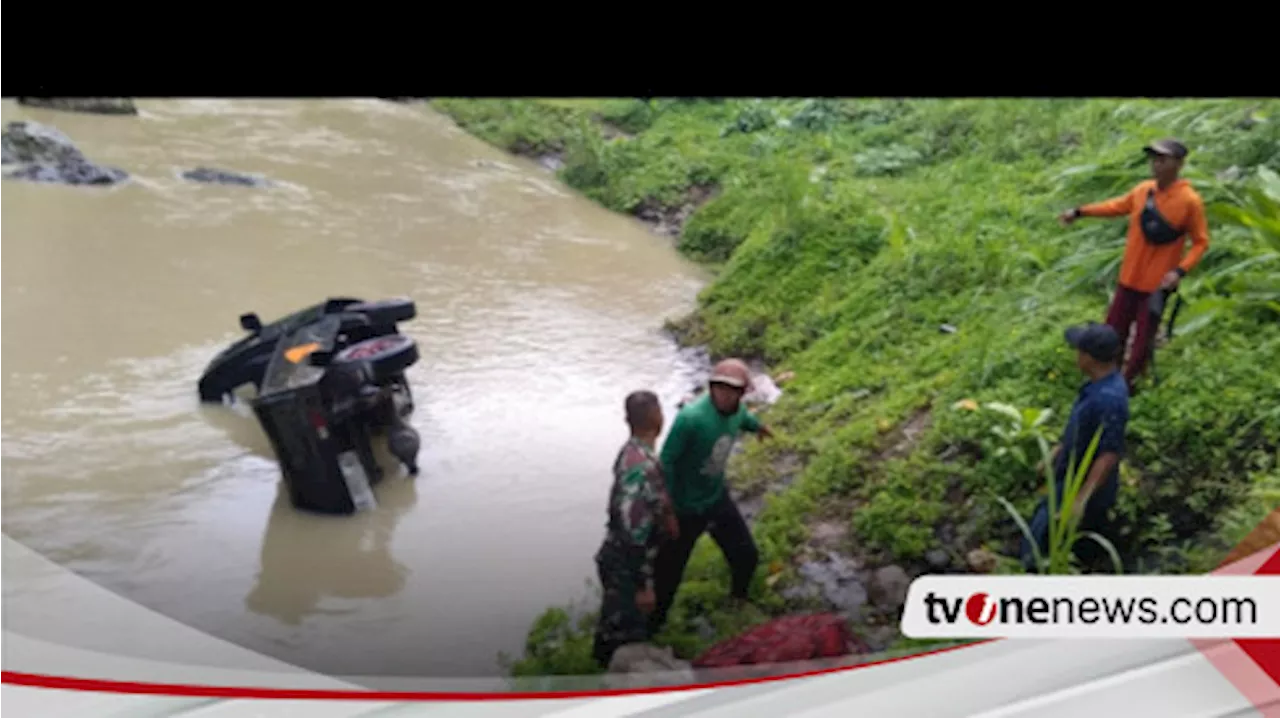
(1064, 520)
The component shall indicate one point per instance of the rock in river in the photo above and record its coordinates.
(43, 154)
(95, 105)
(79, 173)
(209, 175)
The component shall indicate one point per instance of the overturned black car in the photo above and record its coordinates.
(329, 379)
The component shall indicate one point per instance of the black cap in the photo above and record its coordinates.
(1168, 146)
(1099, 341)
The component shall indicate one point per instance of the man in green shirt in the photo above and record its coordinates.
(693, 461)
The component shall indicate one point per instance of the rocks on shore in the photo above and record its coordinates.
(210, 175)
(846, 584)
(43, 154)
(645, 658)
(888, 587)
(644, 665)
(669, 221)
(836, 579)
(763, 390)
(981, 560)
(551, 162)
(93, 105)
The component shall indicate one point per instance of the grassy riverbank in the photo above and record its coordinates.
(903, 260)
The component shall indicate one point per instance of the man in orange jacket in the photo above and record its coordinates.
(1163, 211)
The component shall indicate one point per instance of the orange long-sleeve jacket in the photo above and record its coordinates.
(1145, 264)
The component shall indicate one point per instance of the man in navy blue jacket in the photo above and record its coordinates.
(1103, 403)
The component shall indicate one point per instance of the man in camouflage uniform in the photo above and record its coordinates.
(640, 517)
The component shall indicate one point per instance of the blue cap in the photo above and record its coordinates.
(1099, 341)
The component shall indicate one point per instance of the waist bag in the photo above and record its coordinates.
(1155, 227)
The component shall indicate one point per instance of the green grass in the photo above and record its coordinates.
(844, 233)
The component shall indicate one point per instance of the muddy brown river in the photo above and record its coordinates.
(537, 312)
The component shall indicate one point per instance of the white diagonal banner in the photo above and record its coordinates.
(1093, 607)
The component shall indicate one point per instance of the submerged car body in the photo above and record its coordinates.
(329, 378)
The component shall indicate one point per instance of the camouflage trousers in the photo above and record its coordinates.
(621, 621)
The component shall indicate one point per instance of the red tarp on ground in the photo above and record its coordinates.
(790, 638)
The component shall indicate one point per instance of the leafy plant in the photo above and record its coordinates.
(886, 161)
(817, 115)
(1022, 426)
(753, 117)
(559, 644)
(1251, 284)
(1064, 521)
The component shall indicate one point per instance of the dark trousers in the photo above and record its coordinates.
(730, 532)
(1129, 307)
(1094, 519)
(620, 620)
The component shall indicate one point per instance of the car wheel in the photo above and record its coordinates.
(225, 378)
(386, 356)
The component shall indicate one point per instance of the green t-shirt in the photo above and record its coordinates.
(697, 450)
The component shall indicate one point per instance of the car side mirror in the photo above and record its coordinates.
(250, 323)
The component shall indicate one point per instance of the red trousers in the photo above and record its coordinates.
(1129, 307)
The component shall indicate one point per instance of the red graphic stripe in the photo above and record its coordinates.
(1265, 651)
(36, 680)
(1272, 565)
(1252, 665)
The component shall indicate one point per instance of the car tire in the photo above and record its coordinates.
(221, 383)
(385, 311)
(386, 356)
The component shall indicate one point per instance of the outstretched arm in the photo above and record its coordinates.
(1114, 207)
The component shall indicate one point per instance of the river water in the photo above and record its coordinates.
(538, 312)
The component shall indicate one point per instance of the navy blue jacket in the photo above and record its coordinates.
(1101, 404)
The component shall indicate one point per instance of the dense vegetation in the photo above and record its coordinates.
(846, 234)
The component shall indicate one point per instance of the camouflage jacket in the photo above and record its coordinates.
(639, 510)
